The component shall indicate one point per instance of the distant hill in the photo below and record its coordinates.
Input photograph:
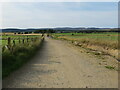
(17, 30)
(64, 29)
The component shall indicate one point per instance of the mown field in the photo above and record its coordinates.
(106, 42)
(17, 50)
(108, 39)
(101, 36)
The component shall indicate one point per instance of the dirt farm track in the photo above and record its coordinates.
(59, 64)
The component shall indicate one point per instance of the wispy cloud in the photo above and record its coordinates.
(52, 14)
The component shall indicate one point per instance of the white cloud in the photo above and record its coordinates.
(28, 15)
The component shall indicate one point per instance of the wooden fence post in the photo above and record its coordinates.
(23, 41)
(9, 44)
(9, 41)
(14, 42)
(42, 34)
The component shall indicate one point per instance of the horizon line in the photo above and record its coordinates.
(53, 27)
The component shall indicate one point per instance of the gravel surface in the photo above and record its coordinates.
(61, 65)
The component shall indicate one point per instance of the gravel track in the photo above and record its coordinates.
(61, 65)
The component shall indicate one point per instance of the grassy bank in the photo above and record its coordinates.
(19, 54)
(105, 42)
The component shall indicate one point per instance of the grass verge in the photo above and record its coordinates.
(103, 42)
(20, 54)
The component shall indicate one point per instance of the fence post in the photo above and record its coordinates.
(14, 42)
(9, 41)
(23, 41)
(9, 44)
(42, 34)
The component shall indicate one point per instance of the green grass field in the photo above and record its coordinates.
(103, 39)
(101, 36)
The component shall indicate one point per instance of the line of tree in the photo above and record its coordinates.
(45, 31)
(22, 32)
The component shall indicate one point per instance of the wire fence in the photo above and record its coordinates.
(13, 41)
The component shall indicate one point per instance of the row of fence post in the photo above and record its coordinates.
(20, 40)
(12, 42)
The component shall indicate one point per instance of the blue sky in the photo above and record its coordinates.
(59, 14)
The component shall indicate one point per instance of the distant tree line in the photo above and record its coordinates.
(22, 32)
(45, 31)
(67, 31)
(87, 31)
(96, 31)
